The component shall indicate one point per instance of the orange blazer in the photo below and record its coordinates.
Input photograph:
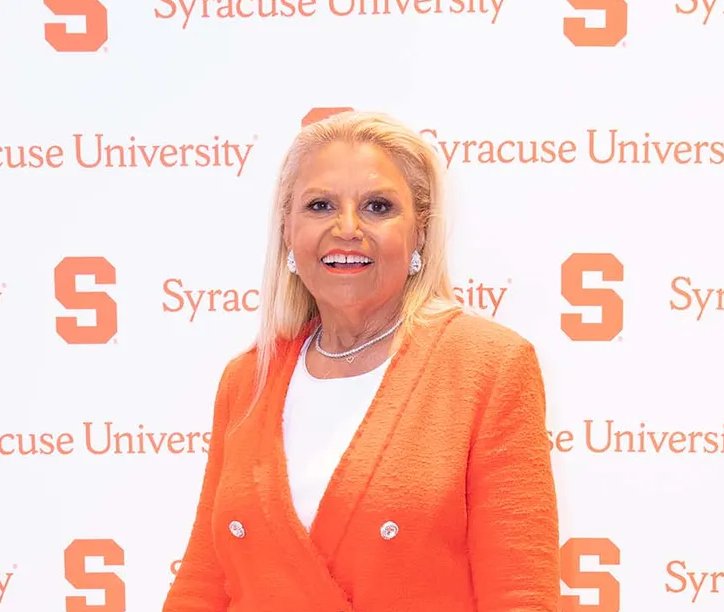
(444, 500)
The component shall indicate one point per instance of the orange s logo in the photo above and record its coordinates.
(108, 582)
(105, 308)
(576, 294)
(609, 36)
(317, 114)
(609, 589)
(96, 25)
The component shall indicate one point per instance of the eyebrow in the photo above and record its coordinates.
(330, 194)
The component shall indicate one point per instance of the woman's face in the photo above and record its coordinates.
(352, 199)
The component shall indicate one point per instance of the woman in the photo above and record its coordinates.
(378, 449)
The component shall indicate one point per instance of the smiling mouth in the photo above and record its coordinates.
(346, 262)
(348, 266)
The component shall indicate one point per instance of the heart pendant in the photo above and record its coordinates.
(350, 359)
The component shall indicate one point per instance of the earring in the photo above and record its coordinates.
(415, 263)
(291, 262)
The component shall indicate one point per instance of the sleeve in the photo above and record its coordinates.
(199, 583)
(513, 537)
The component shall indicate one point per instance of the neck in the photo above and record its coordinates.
(343, 330)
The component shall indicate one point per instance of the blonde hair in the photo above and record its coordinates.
(286, 304)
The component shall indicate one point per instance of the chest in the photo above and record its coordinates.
(406, 455)
(397, 492)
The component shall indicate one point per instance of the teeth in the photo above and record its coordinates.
(339, 258)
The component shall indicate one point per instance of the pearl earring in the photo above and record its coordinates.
(415, 263)
(291, 262)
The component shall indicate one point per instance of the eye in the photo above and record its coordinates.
(318, 205)
(379, 205)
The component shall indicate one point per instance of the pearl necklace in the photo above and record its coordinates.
(350, 354)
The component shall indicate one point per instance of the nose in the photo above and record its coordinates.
(347, 225)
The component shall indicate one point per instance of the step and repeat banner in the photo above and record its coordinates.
(583, 146)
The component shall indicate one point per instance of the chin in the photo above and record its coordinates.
(344, 299)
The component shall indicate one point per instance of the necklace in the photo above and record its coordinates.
(351, 353)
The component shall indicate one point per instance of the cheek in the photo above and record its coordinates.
(306, 240)
(393, 248)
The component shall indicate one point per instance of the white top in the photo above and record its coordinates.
(320, 419)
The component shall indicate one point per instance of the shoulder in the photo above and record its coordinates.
(472, 335)
(240, 364)
(238, 374)
(501, 364)
(472, 347)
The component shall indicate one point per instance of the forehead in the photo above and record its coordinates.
(355, 164)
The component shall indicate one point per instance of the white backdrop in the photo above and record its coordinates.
(609, 260)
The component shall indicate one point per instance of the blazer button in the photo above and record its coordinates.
(389, 530)
(237, 529)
